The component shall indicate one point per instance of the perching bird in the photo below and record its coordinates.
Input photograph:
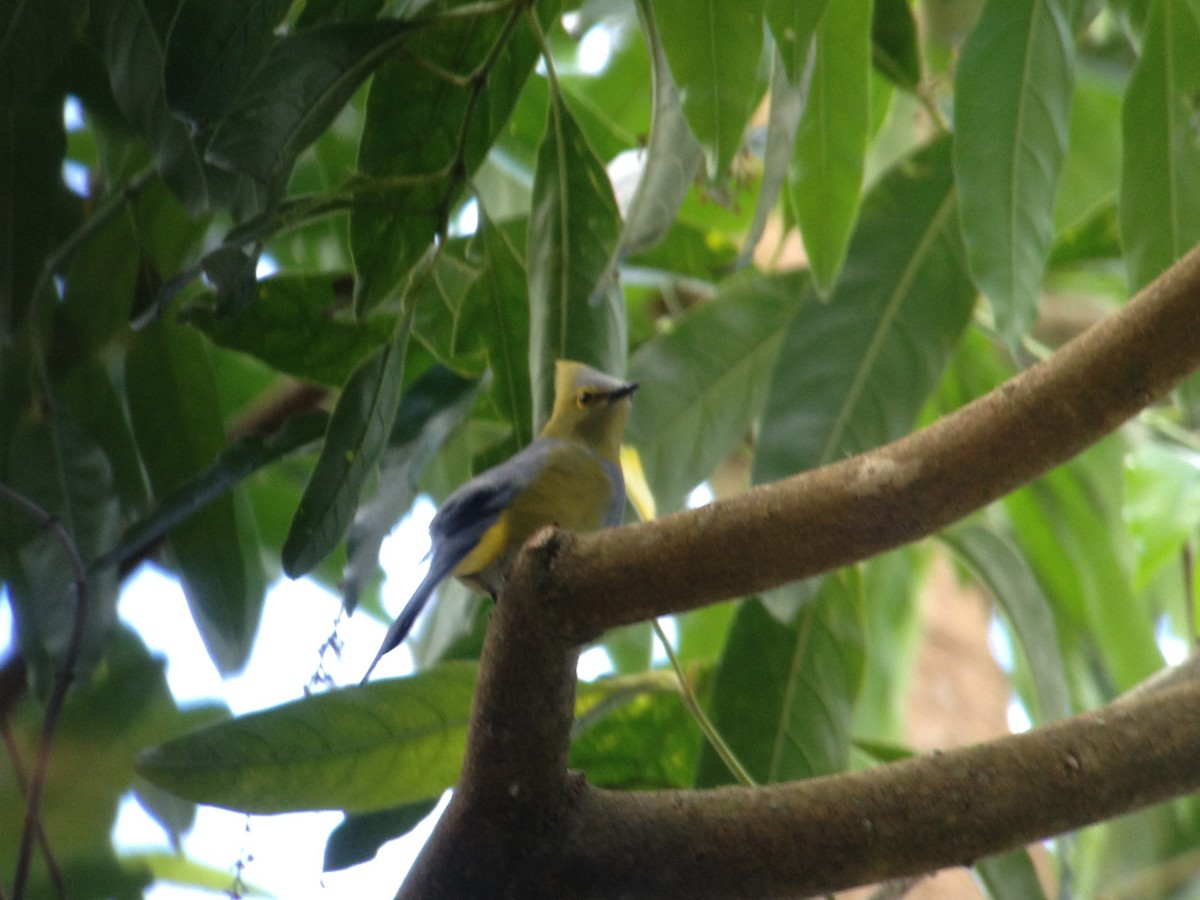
(570, 476)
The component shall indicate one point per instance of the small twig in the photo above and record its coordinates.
(62, 681)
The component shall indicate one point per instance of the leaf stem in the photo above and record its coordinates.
(710, 732)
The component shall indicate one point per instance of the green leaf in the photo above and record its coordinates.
(299, 324)
(860, 366)
(831, 144)
(1006, 575)
(176, 416)
(301, 86)
(576, 309)
(704, 382)
(503, 294)
(1159, 204)
(894, 49)
(391, 742)
(357, 436)
(417, 136)
(1162, 506)
(784, 694)
(793, 23)
(212, 51)
(1013, 100)
(1092, 168)
(359, 837)
(1069, 527)
(32, 144)
(713, 49)
(133, 34)
(1009, 876)
(241, 459)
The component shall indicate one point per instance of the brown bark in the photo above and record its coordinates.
(521, 826)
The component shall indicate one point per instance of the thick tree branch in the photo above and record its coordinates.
(520, 826)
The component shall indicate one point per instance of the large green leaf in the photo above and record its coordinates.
(1159, 204)
(212, 51)
(704, 382)
(855, 371)
(1162, 506)
(176, 416)
(713, 49)
(357, 436)
(301, 86)
(1007, 577)
(831, 144)
(576, 309)
(359, 749)
(1012, 104)
(425, 132)
(133, 34)
(784, 693)
(299, 324)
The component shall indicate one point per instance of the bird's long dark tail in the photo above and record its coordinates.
(404, 622)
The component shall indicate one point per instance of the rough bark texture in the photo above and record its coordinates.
(520, 826)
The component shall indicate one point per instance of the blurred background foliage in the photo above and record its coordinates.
(272, 269)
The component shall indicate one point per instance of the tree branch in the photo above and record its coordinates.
(519, 825)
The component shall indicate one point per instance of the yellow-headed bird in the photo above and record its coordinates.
(570, 476)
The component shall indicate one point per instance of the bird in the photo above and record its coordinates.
(568, 476)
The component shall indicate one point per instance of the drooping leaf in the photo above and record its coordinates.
(784, 693)
(860, 366)
(359, 836)
(1007, 577)
(212, 51)
(392, 742)
(299, 324)
(831, 145)
(713, 49)
(301, 86)
(704, 382)
(576, 310)
(1012, 104)
(177, 420)
(357, 436)
(1159, 202)
(672, 155)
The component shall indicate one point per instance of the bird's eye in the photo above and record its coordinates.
(585, 398)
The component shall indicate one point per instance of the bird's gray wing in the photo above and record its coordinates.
(459, 525)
